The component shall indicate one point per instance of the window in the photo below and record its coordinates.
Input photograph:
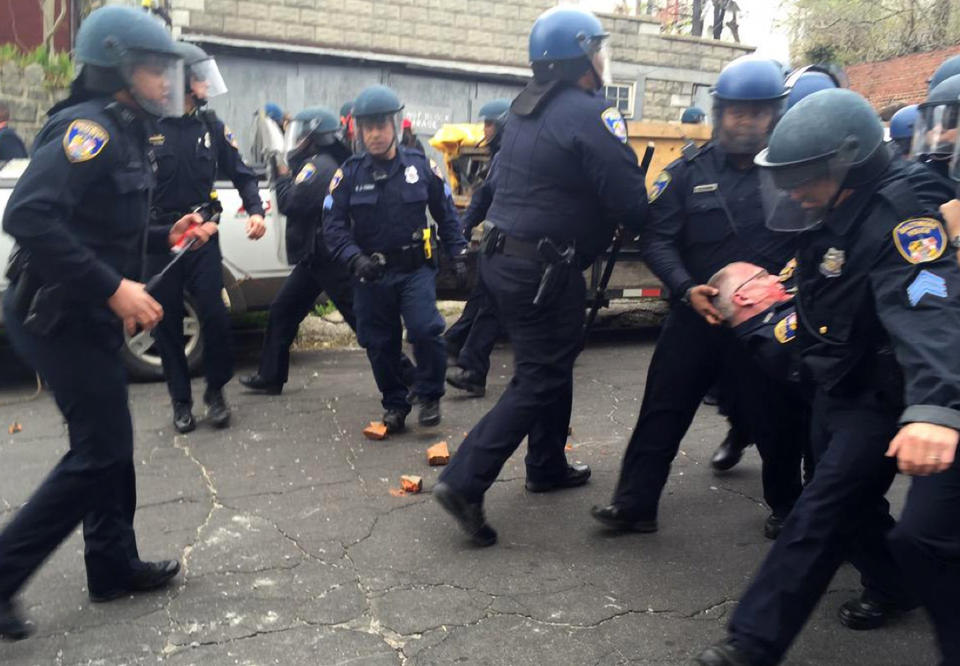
(621, 95)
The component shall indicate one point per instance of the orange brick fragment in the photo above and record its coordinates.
(375, 430)
(438, 454)
(411, 484)
(14, 428)
(396, 492)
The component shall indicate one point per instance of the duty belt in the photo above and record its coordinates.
(496, 240)
(405, 259)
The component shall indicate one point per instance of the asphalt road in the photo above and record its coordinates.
(295, 552)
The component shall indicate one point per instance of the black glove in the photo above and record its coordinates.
(460, 271)
(366, 268)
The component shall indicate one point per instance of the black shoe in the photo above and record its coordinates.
(468, 514)
(395, 420)
(730, 451)
(429, 413)
(144, 577)
(218, 413)
(868, 613)
(722, 654)
(614, 517)
(576, 475)
(466, 381)
(261, 385)
(773, 525)
(183, 417)
(13, 627)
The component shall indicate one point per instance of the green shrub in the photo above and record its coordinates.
(57, 65)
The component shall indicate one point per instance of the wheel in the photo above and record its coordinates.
(142, 358)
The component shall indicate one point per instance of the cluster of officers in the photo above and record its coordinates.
(812, 266)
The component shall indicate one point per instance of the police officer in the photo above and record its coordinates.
(809, 79)
(902, 125)
(565, 178)
(935, 127)
(315, 151)
(878, 323)
(706, 212)
(79, 218)
(376, 225)
(191, 150)
(471, 338)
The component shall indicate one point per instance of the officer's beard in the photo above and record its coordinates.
(742, 143)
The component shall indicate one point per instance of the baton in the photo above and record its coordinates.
(600, 295)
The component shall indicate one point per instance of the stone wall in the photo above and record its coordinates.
(25, 90)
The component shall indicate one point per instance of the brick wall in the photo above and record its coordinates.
(897, 81)
(28, 95)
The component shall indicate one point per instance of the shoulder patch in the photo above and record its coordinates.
(615, 123)
(228, 135)
(84, 140)
(659, 185)
(436, 170)
(307, 171)
(788, 270)
(786, 329)
(337, 177)
(920, 239)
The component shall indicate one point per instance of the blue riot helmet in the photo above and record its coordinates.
(315, 126)
(692, 115)
(494, 116)
(567, 42)
(375, 109)
(901, 128)
(831, 141)
(935, 128)
(748, 99)
(949, 67)
(121, 48)
(807, 80)
(201, 75)
(273, 112)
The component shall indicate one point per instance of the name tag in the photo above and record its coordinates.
(709, 187)
(368, 187)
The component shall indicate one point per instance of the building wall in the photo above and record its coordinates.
(897, 81)
(29, 97)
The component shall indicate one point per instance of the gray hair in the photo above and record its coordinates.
(723, 282)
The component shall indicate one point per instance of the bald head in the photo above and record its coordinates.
(744, 290)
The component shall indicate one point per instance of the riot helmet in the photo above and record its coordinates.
(808, 80)
(567, 42)
(831, 141)
(902, 125)
(935, 128)
(313, 127)
(494, 116)
(201, 75)
(748, 100)
(949, 67)
(121, 48)
(377, 112)
(692, 115)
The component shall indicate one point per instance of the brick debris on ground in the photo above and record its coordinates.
(296, 552)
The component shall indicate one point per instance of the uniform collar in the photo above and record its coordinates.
(402, 160)
(762, 319)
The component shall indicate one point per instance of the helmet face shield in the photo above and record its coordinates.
(377, 134)
(935, 131)
(300, 131)
(155, 81)
(598, 50)
(797, 196)
(205, 80)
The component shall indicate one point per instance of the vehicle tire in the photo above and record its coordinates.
(142, 359)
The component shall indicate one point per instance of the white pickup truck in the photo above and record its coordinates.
(252, 270)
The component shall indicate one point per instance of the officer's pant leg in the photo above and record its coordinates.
(205, 283)
(476, 350)
(418, 304)
(683, 367)
(832, 513)
(773, 417)
(337, 282)
(926, 544)
(546, 342)
(94, 479)
(169, 332)
(456, 335)
(292, 303)
(379, 332)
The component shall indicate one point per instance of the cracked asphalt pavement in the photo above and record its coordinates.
(295, 552)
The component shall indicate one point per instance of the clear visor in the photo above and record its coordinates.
(600, 58)
(798, 197)
(205, 79)
(377, 134)
(156, 82)
(935, 132)
(297, 132)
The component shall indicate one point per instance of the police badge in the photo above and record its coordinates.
(411, 174)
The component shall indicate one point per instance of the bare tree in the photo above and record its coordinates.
(696, 26)
(52, 18)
